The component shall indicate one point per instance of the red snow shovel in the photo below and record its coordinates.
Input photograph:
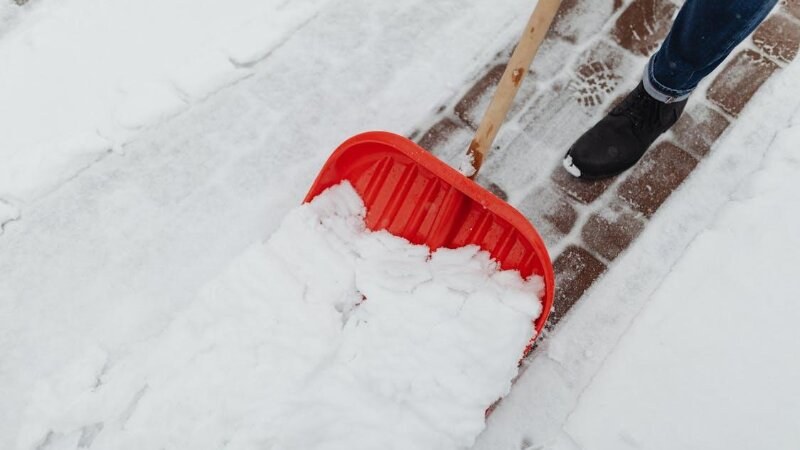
(412, 194)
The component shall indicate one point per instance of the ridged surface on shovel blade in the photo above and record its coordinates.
(410, 193)
(411, 202)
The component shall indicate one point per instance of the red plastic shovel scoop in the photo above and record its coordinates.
(412, 194)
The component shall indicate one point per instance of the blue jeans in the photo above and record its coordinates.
(703, 34)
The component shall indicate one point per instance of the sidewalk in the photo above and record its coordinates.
(587, 225)
(115, 252)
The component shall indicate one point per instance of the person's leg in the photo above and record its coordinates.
(703, 34)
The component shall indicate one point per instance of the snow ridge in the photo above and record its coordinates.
(327, 336)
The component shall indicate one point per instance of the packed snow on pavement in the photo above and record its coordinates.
(81, 78)
(107, 254)
(148, 148)
(711, 362)
(327, 336)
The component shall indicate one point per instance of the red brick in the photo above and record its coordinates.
(778, 37)
(577, 22)
(698, 129)
(611, 230)
(581, 190)
(573, 16)
(469, 108)
(659, 173)
(495, 189)
(643, 25)
(474, 103)
(575, 271)
(792, 7)
(550, 212)
(438, 134)
(562, 22)
(560, 213)
(739, 80)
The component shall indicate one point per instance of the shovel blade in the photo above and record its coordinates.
(412, 194)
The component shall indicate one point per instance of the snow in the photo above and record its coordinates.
(8, 212)
(689, 341)
(570, 167)
(124, 66)
(710, 363)
(114, 251)
(325, 336)
(145, 147)
(464, 163)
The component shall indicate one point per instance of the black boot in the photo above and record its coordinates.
(616, 142)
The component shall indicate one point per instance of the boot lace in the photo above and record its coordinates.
(641, 109)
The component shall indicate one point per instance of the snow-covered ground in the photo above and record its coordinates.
(711, 360)
(116, 250)
(327, 336)
(689, 342)
(80, 78)
(145, 146)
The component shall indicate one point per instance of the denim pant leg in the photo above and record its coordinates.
(703, 34)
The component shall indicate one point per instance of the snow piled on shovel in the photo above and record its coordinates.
(327, 336)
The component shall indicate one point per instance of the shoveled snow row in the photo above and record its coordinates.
(326, 336)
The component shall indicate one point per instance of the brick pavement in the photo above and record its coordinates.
(580, 73)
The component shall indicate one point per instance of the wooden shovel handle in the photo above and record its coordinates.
(515, 72)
